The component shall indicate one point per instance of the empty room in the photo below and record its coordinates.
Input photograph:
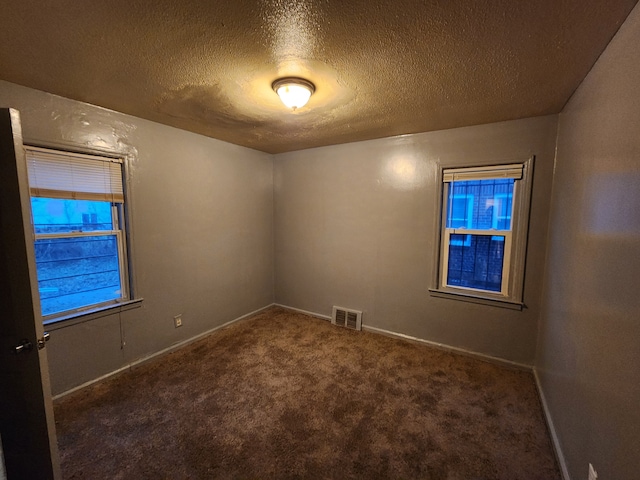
(320, 239)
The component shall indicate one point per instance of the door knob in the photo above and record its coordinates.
(25, 346)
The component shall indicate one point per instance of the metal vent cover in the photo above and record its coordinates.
(346, 317)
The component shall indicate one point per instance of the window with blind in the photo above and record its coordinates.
(483, 232)
(77, 204)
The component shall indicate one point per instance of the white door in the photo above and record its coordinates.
(27, 428)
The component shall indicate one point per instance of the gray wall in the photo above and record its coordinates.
(202, 236)
(354, 227)
(589, 349)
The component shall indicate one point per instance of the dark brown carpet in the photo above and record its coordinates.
(283, 395)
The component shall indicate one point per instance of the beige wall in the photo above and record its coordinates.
(354, 227)
(202, 232)
(589, 348)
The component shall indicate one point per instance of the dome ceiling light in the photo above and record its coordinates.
(294, 92)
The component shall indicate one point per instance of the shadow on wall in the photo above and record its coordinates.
(608, 236)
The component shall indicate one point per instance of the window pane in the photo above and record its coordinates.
(55, 215)
(475, 261)
(460, 211)
(480, 204)
(77, 272)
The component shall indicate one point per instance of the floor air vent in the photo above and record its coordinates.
(344, 317)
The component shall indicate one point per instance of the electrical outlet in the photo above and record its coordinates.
(177, 320)
(593, 475)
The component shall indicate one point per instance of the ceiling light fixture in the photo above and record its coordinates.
(294, 92)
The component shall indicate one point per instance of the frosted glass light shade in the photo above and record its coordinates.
(294, 92)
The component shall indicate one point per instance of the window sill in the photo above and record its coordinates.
(482, 300)
(91, 314)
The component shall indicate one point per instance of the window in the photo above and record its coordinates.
(77, 204)
(483, 231)
(460, 206)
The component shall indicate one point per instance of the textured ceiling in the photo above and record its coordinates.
(381, 68)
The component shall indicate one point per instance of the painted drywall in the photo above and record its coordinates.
(201, 232)
(354, 227)
(589, 355)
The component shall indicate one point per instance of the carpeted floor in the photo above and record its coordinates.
(283, 395)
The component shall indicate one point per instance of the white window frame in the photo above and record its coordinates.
(511, 294)
(506, 262)
(118, 230)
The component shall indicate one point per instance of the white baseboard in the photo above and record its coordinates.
(552, 429)
(441, 346)
(449, 348)
(159, 353)
(305, 312)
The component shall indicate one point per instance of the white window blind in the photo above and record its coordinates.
(482, 173)
(72, 175)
